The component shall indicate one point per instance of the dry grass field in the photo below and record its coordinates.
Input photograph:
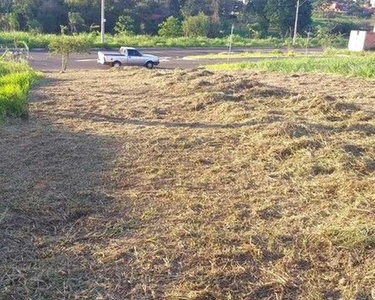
(138, 184)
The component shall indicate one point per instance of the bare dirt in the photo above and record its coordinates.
(137, 184)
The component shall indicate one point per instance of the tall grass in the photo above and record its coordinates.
(36, 40)
(353, 66)
(15, 81)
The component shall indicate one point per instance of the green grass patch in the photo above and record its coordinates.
(344, 65)
(15, 81)
(352, 237)
(257, 54)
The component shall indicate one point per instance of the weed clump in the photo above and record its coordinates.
(327, 107)
(15, 81)
(354, 236)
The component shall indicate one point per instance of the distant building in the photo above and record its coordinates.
(335, 6)
(346, 7)
(371, 3)
(361, 40)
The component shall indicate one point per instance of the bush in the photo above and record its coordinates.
(15, 81)
(64, 45)
(171, 27)
(124, 25)
(194, 26)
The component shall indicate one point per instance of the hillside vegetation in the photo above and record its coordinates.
(190, 185)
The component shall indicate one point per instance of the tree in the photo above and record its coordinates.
(13, 21)
(257, 10)
(194, 7)
(171, 27)
(124, 25)
(147, 16)
(64, 45)
(5, 6)
(281, 14)
(195, 26)
(174, 7)
(50, 14)
(215, 18)
(75, 21)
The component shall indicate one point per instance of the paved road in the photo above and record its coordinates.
(170, 58)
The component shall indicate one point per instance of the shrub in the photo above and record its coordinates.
(76, 21)
(325, 37)
(124, 25)
(171, 27)
(64, 45)
(194, 26)
(15, 81)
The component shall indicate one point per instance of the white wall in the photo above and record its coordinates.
(357, 40)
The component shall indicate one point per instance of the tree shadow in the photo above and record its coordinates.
(36, 96)
(54, 196)
(365, 128)
(99, 118)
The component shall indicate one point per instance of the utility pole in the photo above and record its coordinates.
(296, 23)
(230, 42)
(102, 22)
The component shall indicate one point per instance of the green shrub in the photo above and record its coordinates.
(277, 52)
(194, 26)
(255, 30)
(171, 27)
(15, 81)
(124, 25)
(64, 45)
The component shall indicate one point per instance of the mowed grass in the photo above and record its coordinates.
(15, 81)
(190, 185)
(353, 65)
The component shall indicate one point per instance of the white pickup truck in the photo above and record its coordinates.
(127, 57)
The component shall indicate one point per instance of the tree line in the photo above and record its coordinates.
(166, 17)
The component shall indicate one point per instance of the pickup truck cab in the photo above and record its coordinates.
(127, 56)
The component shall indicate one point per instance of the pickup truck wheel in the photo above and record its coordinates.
(116, 64)
(149, 65)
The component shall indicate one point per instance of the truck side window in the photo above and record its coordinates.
(133, 53)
